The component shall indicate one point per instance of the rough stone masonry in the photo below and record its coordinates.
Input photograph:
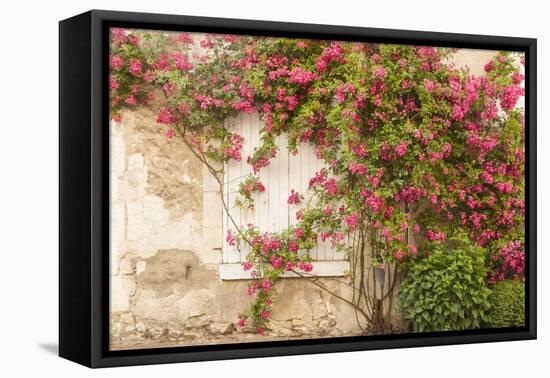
(166, 246)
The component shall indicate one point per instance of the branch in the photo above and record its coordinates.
(315, 282)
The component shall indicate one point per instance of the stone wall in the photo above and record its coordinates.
(166, 246)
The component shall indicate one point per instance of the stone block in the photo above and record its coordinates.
(122, 288)
(196, 303)
(135, 227)
(212, 210)
(220, 328)
(140, 267)
(136, 162)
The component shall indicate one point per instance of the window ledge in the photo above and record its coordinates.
(336, 268)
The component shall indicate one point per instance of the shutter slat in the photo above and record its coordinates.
(262, 206)
(254, 142)
(247, 215)
(295, 182)
(284, 188)
(322, 253)
(234, 175)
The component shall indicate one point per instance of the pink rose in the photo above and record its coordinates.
(135, 67)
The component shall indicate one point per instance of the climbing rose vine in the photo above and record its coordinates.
(416, 151)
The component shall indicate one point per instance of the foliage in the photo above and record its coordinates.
(247, 188)
(416, 151)
(446, 290)
(507, 304)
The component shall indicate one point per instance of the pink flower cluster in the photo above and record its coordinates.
(401, 148)
(170, 133)
(116, 62)
(279, 72)
(333, 53)
(182, 62)
(253, 187)
(386, 152)
(504, 187)
(206, 102)
(305, 266)
(357, 168)
(229, 38)
(259, 164)
(294, 198)
(185, 38)
(374, 180)
(352, 221)
(331, 187)
(207, 43)
(399, 254)
(275, 261)
(293, 246)
(319, 179)
(113, 83)
(230, 238)
(135, 67)
(510, 262)
(517, 78)
(410, 194)
(429, 85)
(162, 63)
(510, 97)
(427, 52)
(118, 36)
(300, 76)
(372, 200)
(458, 112)
(380, 72)
(233, 150)
(165, 116)
(435, 235)
(334, 237)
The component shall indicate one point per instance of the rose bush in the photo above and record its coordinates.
(416, 150)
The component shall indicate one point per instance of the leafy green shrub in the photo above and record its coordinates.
(507, 304)
(446, 290)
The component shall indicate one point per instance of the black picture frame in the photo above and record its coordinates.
(84, 189)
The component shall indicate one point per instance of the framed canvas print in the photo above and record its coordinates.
(233, 188)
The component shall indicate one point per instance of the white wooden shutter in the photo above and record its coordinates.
(272, 212)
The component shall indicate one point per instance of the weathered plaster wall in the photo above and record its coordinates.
(166, 240)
